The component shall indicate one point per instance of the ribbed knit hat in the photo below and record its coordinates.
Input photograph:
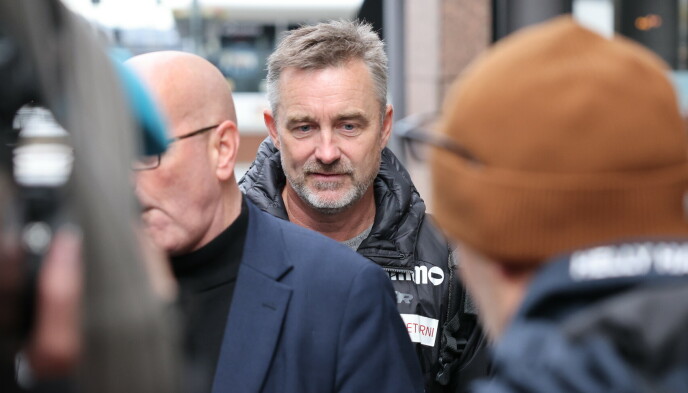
(581, 142)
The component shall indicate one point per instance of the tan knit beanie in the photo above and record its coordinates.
(580, 139)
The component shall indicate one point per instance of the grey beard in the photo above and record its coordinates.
(328, 207)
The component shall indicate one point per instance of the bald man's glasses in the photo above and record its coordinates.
(151, 162)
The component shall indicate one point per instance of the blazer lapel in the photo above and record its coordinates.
(258, 308)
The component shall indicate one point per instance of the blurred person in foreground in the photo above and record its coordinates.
(268, 306)
(325, 167)
(562, 173)
(77, 302)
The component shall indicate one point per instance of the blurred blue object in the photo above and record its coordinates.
(680, 79)
(146, 113)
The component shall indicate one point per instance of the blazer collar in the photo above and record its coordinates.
(258, 308)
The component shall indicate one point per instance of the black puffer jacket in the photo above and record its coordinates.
(406, 244)
(608, 319)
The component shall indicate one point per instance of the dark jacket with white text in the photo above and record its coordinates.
(408, 246)
(607, 319)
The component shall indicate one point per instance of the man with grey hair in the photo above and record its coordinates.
(325, 167)
(262, 313)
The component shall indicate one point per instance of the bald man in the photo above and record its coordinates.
(269, 306)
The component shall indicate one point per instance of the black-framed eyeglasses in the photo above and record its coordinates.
(416, 137)
(151, 162)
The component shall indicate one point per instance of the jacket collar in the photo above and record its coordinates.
(398, 214)
(570, 282)
(258, 309)
(606, 318)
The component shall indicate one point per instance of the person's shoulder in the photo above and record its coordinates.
(306, 247)
(318, 245)
(323, 265)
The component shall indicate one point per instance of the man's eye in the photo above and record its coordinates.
(304, 128)
(350, 129)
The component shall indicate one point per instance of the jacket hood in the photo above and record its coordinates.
(591, 324)
(399, 208)
(632, 343)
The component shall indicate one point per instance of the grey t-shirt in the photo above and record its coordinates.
(356, 241)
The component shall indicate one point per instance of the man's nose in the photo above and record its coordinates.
(327, 150)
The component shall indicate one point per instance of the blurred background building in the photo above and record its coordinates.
(236, 36)
(429, 42)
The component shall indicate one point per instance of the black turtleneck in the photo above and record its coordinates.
(206, 281)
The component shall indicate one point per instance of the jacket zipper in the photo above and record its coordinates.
(397, 270)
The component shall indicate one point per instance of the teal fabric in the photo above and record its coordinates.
(150, 120)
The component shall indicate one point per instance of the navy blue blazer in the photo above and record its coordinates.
(310, 315)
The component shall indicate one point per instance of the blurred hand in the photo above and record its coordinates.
(54, 345)
(55, 342)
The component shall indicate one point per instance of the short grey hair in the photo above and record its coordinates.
(329, 44)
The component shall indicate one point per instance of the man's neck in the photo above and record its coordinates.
(340, 226)
(226, 212)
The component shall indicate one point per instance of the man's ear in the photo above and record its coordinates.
(387, 125)
(225, 146)
(271, 124)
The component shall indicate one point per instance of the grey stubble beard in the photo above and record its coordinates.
(328, 206)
